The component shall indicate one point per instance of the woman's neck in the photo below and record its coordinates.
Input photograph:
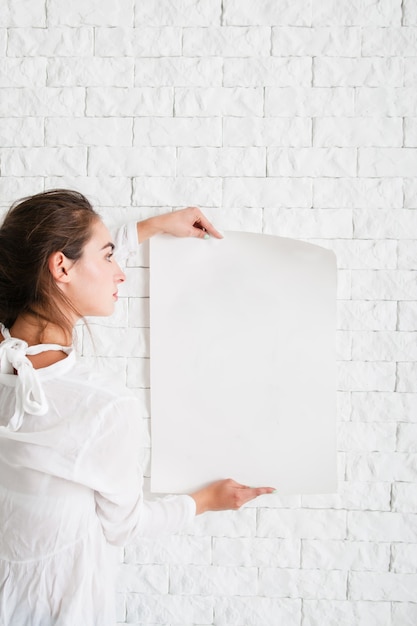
(34, 330)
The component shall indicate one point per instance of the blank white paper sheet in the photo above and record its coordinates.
(243, 363)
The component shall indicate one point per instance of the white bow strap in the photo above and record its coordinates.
(30, 397)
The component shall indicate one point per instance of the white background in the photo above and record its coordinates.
(296, 118)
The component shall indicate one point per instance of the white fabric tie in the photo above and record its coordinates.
(30, 397)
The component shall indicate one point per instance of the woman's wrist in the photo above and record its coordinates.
(148, 228)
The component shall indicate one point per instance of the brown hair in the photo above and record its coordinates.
(54, 221)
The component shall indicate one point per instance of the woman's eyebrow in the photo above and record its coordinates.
(108, 245)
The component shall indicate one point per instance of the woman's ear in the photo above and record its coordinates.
(59, 266)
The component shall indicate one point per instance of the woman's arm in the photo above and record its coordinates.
(189, 222)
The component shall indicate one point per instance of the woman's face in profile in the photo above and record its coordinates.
(94, 278)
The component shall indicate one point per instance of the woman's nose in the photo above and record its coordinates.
(120, 276)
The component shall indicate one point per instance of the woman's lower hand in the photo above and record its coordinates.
(189, 222)
(224, 495)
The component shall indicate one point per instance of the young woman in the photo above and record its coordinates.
(70, 481)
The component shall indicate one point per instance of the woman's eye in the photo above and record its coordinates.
(109, 256)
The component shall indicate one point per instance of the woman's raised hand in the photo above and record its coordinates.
(189, 222)
(223, 495)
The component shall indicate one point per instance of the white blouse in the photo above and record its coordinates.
(70, 485)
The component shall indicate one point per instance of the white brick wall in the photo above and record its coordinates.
(291, 117)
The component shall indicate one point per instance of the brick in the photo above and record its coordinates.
(384, 285)
(384, 407)
(304, 524)
(381, 527)
(118, 342)
(90, 72)
(345, 555)
(131, 161)
(139, 312)
(343, 345)
(268, 72)
(226, 523)
(167, 608)
(309, 101)
(50, 42)
(303, 583)
(245, 220)
(344, 284)
(256, 551)
(384, 224)
(175, 550)
(177, 12)
(410, 73)
(101, 190)
(22, 72)
(267, 192)
(157, 191)
(381, 466)
(44, 161)
(327, 162)
(269, 131)
(366, 436)
(137, 285)
(407, 377)
(305, 223)
(358, 72)
(221, 162)
(367, 315)
(257, 611)
(26, 131)
(410, 132)
(329, 42)
(103, 13)
(3, 41)
(13, 188)
(42, 101)
(346, 613)
(227, 41)
(369, 193)
(404, 558)
(138, 374)
(407, 315)
(88, 131)
(404, 613)
(409, 13)
(265, 12)
(364, 376)
(404, 497)
(121, 102)
(143, 578)
(382, 587)
(384, 346)
(353, 495)
(218, 101)
(355, 13)
(407, 255)
(178, 72)
(178, 131)
(138, 42)
(20, 13)
(387, 162)
(357, 131)
(213, 580)
(389, 42)
(386, 101)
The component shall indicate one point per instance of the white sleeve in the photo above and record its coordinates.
(109, 464)
(126, 241)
